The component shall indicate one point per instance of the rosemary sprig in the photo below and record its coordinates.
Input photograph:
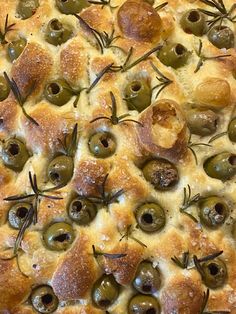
(102, 3)
(69, 144)
(188, 200)
(191, 145)
(197, 261)
(161, 6)
(7, 29)
(203, 58)
(215, 137)
(204, 305)
(183, 262)
(164, 81)
(114, 119)
(128, 235)
(96, 254)
(19, 97)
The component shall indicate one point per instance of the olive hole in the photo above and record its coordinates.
(105, 143)
(232, 160)
(147, 218)
(151, 311)
(136, 87)
(21, 212)
(194, 16)
(147, 288)
(54, 88)
(180, 49)
(54, 176)
(219, 208)
(47, 299)
(104, 303)
(62, 237)
(56, 25)
(14, 149)
(77, 206)
(213, 268)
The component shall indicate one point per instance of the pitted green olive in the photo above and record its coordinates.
(232, 130)
(57, 33)
(202, 122)
(58, 92)
(17, 214)
(4, 88)
(44, 299)
(138, 95)
(194, 22)
(221, 37)
(15, 48)
(82, 211)
(214, 273)
(27, 8)
(71, 6)
(102, 144)
(60, 170)
(173, 55)
(144, 304)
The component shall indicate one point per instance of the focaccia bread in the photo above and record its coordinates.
(117, 159)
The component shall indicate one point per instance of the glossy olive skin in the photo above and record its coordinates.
(4, 88)
(71, 6)
(162, 174)
(143, 304)
(194, 22)
(105, 291)
(214, 273)
(82, 211)
(174, 55)
(58, 92)
(59, 236)
(150, 217)
(147, 279)
(232, 130)
(213, 211)
(221, 37)
(138, 95)
(27, 8)
(43, 299)
(15, 48)
(60, 170)
(102, 144)
(14, 154)
(17, 214)
(221, 166)
(202, 122)
(57, 33)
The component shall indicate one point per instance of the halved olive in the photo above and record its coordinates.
(214, 273)
(82, 211)
(58, 92)
(147, 279)
(4, 88)
(15, 48)
(27, 8)
(161, 173)
(221, 37)
(14, 154)
(144, 304)
(57, 33)
(232, 130)
(194, 22)
(102, 144)
(60, 170)
(174, 55)
(105, 291)
(17, 214)
(221, 166)
(150, 217)
(44, 299)
(59, 236)
(213, 211)
(138, 95)
(71, 6)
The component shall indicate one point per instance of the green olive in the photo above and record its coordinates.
(143, 304)
(60, 170)
(4, 88)
(14, 154)
(232, 130)
(138, 95)
(105, 291)
(221, 37)
(82, 211)
(214, 273)
(221, 166)
(202, 122)
(162, 174)
(194, 22)
(102, 144)
(57, 33)
(147, 279)
(173, 55)
(150, 217)
(58, 92)
(213, 211)
(27, 8)
(15, 48)
(59, 236)
(17, 214)
(71, 6)
(44, 299)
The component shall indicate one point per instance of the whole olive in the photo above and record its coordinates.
(150, 217)
(147, 279)
(102, 144)
(27, 8)
(82, 211)
(58, 92)
(174, 55)
(43, 299)
(138, 95)
(71, 6)
(105, 291)
(221, 166)
(162, 174)
(60, 170)
(221, 37)
(232, 130)
(4, 88)
(59, 236)
(14, 154)
(17, 214)
(214, 273)
(143, 304)
(213, 211)
(194, 22)
(57, 33)
(15, 48)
